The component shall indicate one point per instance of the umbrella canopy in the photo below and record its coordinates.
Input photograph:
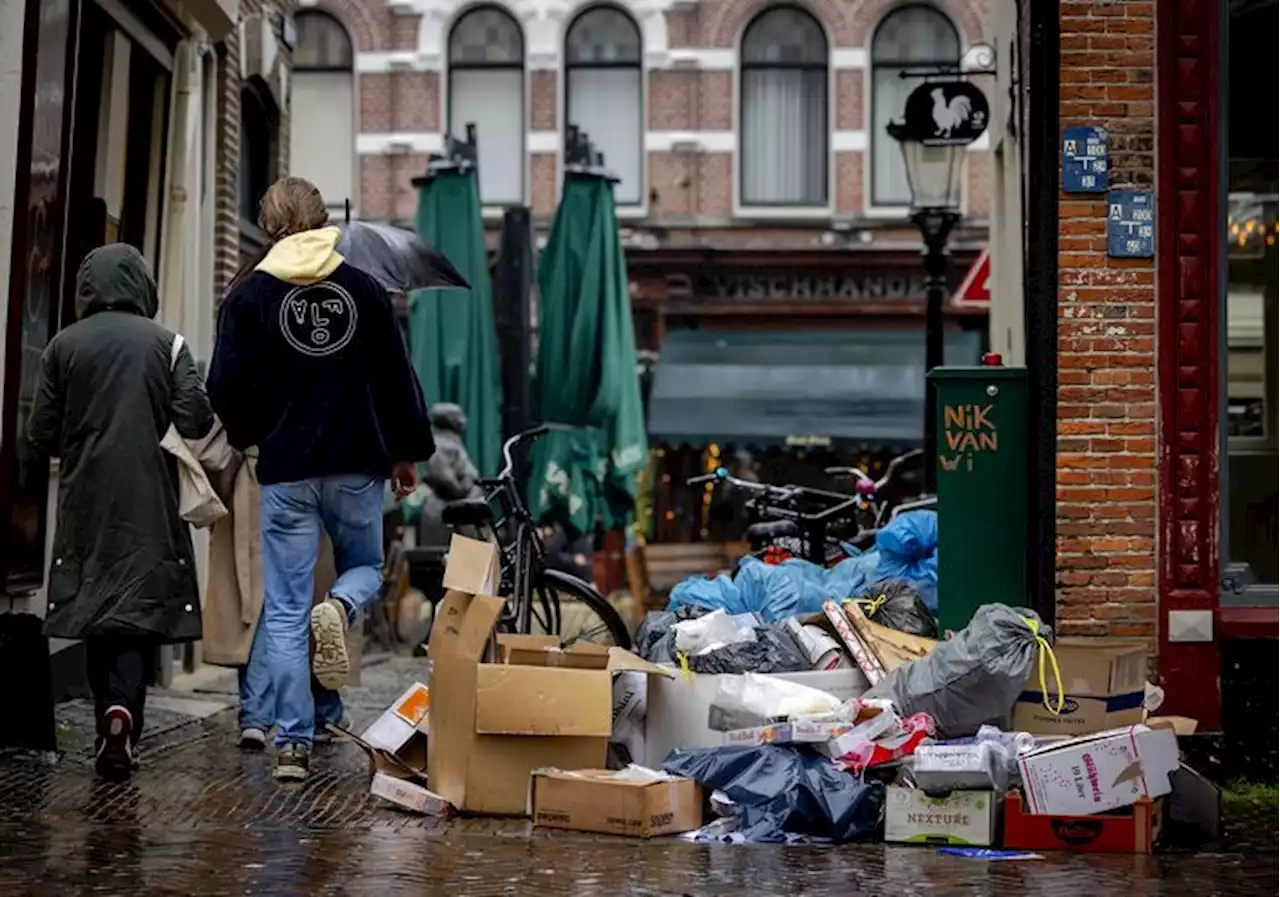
(451, 338)
(398, 259)
(586, 371)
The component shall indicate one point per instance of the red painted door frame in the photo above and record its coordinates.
(1189, 254)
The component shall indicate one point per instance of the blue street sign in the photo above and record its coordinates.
(1086, 167)
(1131, 224)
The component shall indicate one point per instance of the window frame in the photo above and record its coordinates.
(521, 66)
(786, 209)
(876, 207)
(348, 205)
(318, 14)
(638, 66)
(252, 237)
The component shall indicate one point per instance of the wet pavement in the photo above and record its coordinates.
(202, 818)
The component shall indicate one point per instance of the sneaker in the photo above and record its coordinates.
(292, 761)
(114, 759)
(323, 735)
(329, 634)
(253, 739)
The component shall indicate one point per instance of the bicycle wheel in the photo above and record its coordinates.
(584, 613)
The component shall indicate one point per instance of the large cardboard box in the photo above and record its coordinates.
(1100, 772)
(595, 800)
(1134, 829)
(961, 817)
(493, 723)
(1103, 684)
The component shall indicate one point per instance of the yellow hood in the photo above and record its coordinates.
(304, 258)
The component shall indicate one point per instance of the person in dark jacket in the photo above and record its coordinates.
(123, 575)
(310, 367)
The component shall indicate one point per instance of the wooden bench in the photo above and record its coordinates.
(659, 567)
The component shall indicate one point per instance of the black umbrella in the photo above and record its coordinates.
(397, 258)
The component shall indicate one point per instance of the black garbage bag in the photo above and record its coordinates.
(896, 603)
(655, 640)
(774, 651)
(781, 791)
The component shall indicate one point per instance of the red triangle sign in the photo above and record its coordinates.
(976, 287)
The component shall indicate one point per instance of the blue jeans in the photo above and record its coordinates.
(257, 699)
(349, 508)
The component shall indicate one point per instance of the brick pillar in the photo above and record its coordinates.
(1106, 479)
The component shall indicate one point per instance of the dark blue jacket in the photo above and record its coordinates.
(317, 376)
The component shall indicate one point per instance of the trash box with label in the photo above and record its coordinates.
(982, 489)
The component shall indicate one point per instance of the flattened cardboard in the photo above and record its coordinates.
(597, 801)
(464, 625)
(397, 779)
(962, 817)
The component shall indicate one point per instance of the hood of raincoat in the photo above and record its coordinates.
(304, 258)
(448, 416)
(115, 277)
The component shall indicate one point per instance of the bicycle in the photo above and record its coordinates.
(884, 499)
(796, 514)
(525, 576)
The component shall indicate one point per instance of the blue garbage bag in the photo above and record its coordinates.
(793, 588)
(908, 548)
(781, 791)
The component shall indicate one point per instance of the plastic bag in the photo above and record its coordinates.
(896, 603)
(908, 548)
(781, 792)
(714, 630)
(773, 651)
(973, 678)
(742, 702)
(655, 639)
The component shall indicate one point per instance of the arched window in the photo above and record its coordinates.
(915, 37)
(486, 88)
(603, 95)
(784, 141)
(322, 124)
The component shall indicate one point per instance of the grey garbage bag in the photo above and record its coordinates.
(973, 678)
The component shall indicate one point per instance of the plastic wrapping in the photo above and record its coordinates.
(782, 792)
(714, 630)
(773, 651)
(896, 603)
(742, 702)
(654, 639)
(908, 548)
(974, 678)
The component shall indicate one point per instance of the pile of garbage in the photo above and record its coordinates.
(773, 708)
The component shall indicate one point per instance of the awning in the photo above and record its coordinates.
(795, 388)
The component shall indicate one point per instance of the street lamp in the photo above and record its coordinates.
(939, 121)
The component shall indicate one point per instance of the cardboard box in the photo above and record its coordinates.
(402, 728)
(1103, 683)
(940, 768)
(398, 779)
(1100, 772)
(1134, 829)
(962, 817)
(492, 724)
(796, 732)
(605, 802)
(678, 707)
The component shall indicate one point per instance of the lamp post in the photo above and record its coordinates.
(933, 165)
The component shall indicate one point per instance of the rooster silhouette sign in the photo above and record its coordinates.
(944, 113)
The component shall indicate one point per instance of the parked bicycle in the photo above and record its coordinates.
(896, 492)
(539, 596)
(798, 519)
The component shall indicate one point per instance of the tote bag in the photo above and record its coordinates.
(198, 503)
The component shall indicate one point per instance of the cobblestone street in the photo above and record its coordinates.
(202, 818)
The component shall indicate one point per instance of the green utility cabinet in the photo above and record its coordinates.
(982, 490)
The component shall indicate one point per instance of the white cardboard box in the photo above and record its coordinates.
(678, 708)
(962, 817)
(409, 795)
(1100, 772)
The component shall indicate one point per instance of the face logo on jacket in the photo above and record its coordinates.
(319, 319)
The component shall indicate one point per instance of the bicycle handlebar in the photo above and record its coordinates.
(528, 436)
(720, 475)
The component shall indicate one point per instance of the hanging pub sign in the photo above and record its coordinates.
(945, 113)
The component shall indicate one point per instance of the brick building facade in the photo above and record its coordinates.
(691, 112)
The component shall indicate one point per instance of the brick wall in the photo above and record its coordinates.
(1106, 482)
(226, 235)
(687, 185)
